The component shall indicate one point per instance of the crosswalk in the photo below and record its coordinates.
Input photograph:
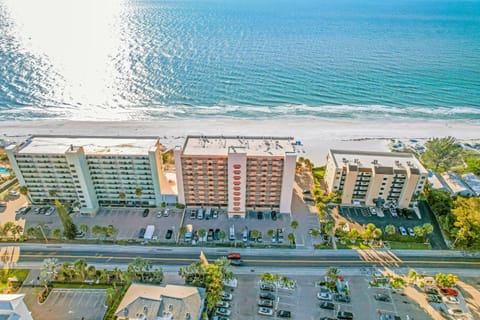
(9, 256)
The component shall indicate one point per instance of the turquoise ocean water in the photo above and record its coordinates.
(142, 59)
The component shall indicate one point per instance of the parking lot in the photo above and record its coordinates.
(363, 216)
(68, 304)
(303, 303)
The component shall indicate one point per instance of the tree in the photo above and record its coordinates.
(353, 234)
(222, 235)
(255, 233)
(412, 275)
(79, 267)
(122, 196)
(427, 228)
(182, 231)
(97, 230)
(110, 231)
(69, 228)
(91, 272)
(442, 153)
(209, 276)
(294, 224)
(48, 270)
(201, 233)
(270, 233)
(138, 193)
(466, 225)
(57, 233)
(291, 238)
(377, 233)
(440, 202)
(7, 228)
(315, 233)
(83, 228)
(16, 230)
(24, 191)
(331, 277)
(390, 229)
(446, 280)
(419, 232)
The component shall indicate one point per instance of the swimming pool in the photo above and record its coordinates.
(5, 170)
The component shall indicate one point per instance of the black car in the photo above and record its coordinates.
(327, 305)
(382, 297)
(284, 314)
(267, 295)
(141, 234)
(260, 215)
(210, 235)
(146, 212)
(432, 291)
(168, 236)
(342, 297)
(274, 215)
(193, 214)
(26, 210)
(216, 234)
(344, 315)
(326, 318)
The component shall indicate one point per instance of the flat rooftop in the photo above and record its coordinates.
(253, 146)
(454, 182)
(473, 182)
(91, 145)
(367, 159)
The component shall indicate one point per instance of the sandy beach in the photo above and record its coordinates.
(317, 135)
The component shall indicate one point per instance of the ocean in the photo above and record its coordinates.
(152, 59)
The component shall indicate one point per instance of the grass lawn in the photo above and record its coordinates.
(20, 274)
(409, 245)
(323, 246)
(359, 245)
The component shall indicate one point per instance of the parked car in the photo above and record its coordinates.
(274, 215)
(266, 295)
(36, 210)
(20, 210)
(260, 237)
(79, 234)
(222, 304)
(166, 213)
(324, 296)
(234, 255)
(342, 297)
(410, 232)
(373, 211)
(382, 297)
(216, 234)
(265, 303)
(236, 262)
(280, 235)
(13, 193)
(260, 215)
(449, 292)
(284, 314)
(226, 296)
(327, 305)
(431, 291)
(220, 318)
(200, 214)
(434, 298)
(344, 315)
(193, 214)
(455, 311)
(210, 235)
(265, 311)
(223, 311)
(402, 231)
(267, 287)
(169, 234)
(214, 214)
(145, 213)
(450, 299)
(50, 211)
(326, 318)
(141, 234)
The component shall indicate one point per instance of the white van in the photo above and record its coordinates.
(200, 214)
(245, 235)
(189, 232)
(231, 236)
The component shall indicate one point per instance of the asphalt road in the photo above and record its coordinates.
(254, 258)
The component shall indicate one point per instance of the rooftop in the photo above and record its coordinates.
(473, 182)
(369, 159)
(455, 183)
(435, 181)
(90, 145)
(253, 146)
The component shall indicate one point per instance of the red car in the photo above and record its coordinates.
(449, 292)
(235, 255)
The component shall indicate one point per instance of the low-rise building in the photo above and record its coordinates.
(456, 185)
(371, 178)
(90, 171)
(236, 173)
(153, 302)
(473, 181)
(436, 183)
(12, 307)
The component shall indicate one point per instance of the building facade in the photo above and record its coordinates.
(371, 178)
(237, 173)
(90, 171)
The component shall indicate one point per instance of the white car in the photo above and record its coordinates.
(159, 214)
(226, 296)
(450, 299)
(373, 211)
(20, 210)
(13, 193)
(455, 311)
(223, 311)
(49, 211)
(402, 231)
(265, 311)
(325, 296)
(410, 232)
(223, 304)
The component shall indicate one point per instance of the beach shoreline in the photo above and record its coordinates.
(317, 135)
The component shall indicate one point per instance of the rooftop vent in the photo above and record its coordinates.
(125, 311)
(170, 307)
(145, 309)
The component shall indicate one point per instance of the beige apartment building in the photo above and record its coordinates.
(236, 173)
(371, 178)
(93, 171)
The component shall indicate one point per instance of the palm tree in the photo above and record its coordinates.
(7, 228)
(390, 229)
(24, 191)
(57, 233)
(255, 234)
(91, 271)
(222, 235)
(377, 233)
(16, 230)
(48, 270)
(427, 228)
(201, 233)
(315, 233)
(182, 231)
(294, 224)
(419, 231)
(353, 234)
(122, 196)
(291, 238)
(110, 231)
(83, 228)
(79, 268)
(138, 193)
(270, 233)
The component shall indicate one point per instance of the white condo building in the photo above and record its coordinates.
(236, 173)
(93, 171)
